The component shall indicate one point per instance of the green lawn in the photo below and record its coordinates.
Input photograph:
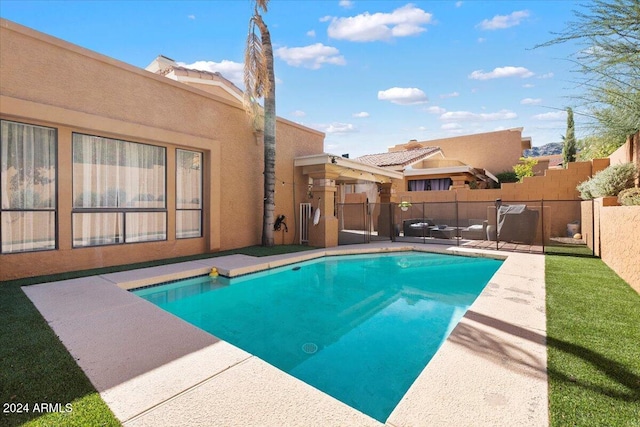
(593, 320)
(593, 339)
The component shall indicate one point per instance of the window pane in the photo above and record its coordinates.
(188, 180)
(109, 173)
(94, 229)
(188, 224)
(28, 231)
(143, 174)
(146, 226)
(28, 166)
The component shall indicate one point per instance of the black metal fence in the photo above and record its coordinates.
(537, 226)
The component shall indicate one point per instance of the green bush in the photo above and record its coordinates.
(507, 176)
(609, 182)
(629, 197)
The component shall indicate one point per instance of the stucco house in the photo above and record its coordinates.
(452, 163)
(104, 163)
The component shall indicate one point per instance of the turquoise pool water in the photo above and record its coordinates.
(361, 328)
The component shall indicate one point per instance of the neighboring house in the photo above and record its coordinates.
(103, 163)
(551, 161)
(493, 152)
(428, 167)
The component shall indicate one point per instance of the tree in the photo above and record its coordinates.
(607, 33)
(569, 146)
(525, 167)
(259, 82)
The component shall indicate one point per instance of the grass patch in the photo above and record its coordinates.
(36, 368)
(568, 249)
(592, 344)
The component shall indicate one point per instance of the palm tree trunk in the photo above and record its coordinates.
(269, 138)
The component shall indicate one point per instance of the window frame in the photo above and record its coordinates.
(201, 208)
(56, 227)
(118, 210)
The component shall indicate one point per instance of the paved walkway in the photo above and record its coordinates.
(154, 369)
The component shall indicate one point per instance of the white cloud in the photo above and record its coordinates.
(467, 115)
(449, 95)
(347, 4)
(298, 113)
(192, 17)
(531, 101)
(552, 116)
(337, 127)
(402, 22)
(436, 110)
(326, 18)
(233, 71)
(546, 76)
(481, 40)
(528, 85)
(500, 22)
(361, 115)
(458, 4)
(422, 128)
(312, 56)
(403, 95)
(311, 33)
(501, 72)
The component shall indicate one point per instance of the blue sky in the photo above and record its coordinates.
(371, 74)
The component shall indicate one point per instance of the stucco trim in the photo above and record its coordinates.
(21, 110)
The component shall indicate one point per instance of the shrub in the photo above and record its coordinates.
(629, 197)
(609, 182)
(507, 176)
(525, 167)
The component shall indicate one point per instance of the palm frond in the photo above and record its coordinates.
(256, 80)
(262, 4)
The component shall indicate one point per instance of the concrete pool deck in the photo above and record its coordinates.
(154, 369)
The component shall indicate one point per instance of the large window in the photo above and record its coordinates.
(27, 187)
(118, 191)
(188, 194)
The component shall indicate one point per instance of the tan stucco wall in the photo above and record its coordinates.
(50, 82)
(494, 151)
(620, 241)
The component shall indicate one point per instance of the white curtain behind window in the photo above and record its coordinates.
(113, 174)
(27, 187)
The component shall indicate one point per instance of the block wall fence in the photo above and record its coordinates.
(617, 228)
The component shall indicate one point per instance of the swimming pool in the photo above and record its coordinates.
(361, 328)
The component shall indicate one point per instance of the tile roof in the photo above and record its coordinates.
(555, 160)
(397, 158)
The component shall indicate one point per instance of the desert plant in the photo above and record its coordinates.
(609, 182)
(569, 141)
(629, 197)
(525, 167)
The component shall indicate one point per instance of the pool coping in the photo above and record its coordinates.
(490, 371)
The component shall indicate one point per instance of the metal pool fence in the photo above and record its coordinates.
(534, 226)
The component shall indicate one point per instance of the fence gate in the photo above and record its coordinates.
(305, 219)
(363, 223)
